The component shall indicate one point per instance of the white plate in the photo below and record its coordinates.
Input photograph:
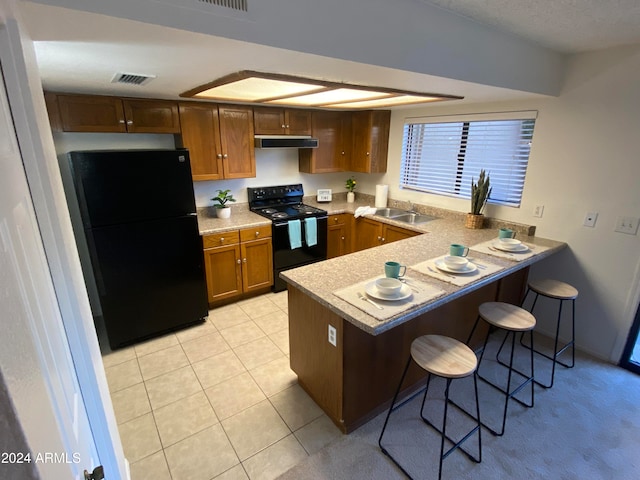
(469, 267)
(372, 291)
(518, 248)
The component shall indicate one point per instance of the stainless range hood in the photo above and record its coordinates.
(285, 141)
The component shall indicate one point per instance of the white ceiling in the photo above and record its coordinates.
(81, 52)
(568, 26)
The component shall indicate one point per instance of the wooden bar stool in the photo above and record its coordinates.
(512, 319)
(561, 291)
(450, 359)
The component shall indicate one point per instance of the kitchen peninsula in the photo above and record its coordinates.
(354, 380)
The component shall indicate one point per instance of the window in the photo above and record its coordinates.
(443, 154)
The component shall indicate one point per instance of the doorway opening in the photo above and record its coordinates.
(631, 354)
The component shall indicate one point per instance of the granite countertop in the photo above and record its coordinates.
(320, 280)
(241, 217)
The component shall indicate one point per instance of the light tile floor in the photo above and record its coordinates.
(217, 400)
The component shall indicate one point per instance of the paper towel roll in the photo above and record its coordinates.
(381, 195)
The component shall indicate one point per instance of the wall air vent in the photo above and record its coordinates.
(132, 78)
(240, 5)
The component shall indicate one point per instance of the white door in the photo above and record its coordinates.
(34, 352)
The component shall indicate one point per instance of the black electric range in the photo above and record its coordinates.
(283, 204)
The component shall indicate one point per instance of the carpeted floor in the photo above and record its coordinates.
(586, 427)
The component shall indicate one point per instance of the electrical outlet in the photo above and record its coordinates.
(628, 225)
(537, 210)
(590, 219)
(332, 336)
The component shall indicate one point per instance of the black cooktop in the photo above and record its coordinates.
(289, 212)
(281, 202)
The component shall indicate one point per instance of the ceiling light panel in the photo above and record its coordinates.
(279, 89)
(255, 89)
(389, 101)
(330, 96)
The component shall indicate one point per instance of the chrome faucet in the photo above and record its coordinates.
(411, 209)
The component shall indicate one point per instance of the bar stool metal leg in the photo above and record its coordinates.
(556, 352)
(447, 401)
(508, 392)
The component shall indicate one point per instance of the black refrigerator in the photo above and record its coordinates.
(139, 219)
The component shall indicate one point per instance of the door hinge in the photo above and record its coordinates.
(97, 474)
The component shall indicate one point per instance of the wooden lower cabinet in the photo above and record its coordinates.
(339, 235)
(355, 380)
(370, 233)
(238, 262)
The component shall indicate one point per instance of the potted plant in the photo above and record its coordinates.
(222, 210)
(351, 186)
(480, 192)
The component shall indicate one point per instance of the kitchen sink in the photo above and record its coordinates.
(413, 218)
(404, 215)
(390, 212)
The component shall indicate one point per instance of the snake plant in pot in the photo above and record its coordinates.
(222, 210)
(480, 192)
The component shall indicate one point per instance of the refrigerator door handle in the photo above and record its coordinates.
(97, 272)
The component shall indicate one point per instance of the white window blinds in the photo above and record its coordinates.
(442, 154)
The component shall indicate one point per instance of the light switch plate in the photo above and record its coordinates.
(628, 225)
(324, 195)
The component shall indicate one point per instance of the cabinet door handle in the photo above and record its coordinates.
(283, 126)
(244, 260)
(121, 121)
(342, 238)
(367, 154)
(286, 126)
(129, 122)
(221, 239)
(382, 240)
(239, 261)
(224, 156)
(335, 219)
(257, 234)
(379, 238)
(342, 153)
(219, 155)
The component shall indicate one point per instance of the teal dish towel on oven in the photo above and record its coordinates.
(295, 235)
(311, 231)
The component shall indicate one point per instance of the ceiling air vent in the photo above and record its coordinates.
(240, 5)
(132, 78)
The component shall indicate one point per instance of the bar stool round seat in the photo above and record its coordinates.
(443, 356)
(511, 319)
(507, 316)
(555, 290)
(450, 359)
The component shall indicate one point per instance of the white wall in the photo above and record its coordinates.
(584, 159)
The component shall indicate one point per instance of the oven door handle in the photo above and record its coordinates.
(286, 222)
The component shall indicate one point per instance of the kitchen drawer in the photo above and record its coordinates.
(220, 239)
(255, 233)
(337, 219)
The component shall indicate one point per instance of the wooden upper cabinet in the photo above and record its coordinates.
(236, 137)
(201, 135)
(370, 133)
(151, 116)
(219, 139)
(86, 113)
(332, 129)
(282, 121)
(93, 113)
